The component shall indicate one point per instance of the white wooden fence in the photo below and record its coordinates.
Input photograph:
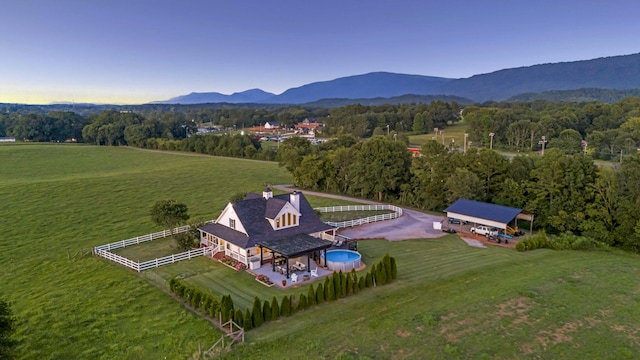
(105, 250)
(141, 239)
(146, 265)
(397, 212)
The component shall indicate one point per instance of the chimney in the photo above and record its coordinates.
(294, 199)
(267, 194)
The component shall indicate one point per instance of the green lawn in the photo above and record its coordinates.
(450, 300)
(149, 250)
(454, 301)
(60, 199)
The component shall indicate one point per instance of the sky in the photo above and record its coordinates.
(137, 51)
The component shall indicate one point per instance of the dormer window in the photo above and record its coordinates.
(277, 223)
(232, 223)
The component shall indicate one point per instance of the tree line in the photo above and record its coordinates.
(599, 129)
(567, 193)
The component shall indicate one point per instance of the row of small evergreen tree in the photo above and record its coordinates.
(334, 287)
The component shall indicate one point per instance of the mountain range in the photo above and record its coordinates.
(610, 73)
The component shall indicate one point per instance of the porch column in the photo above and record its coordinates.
(308, 264)
(325, 257)
(287, 259)
(261, 248)
(273, 261)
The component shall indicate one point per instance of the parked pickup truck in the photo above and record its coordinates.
(484, 230)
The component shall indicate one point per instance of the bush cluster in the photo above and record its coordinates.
(199, 299)
(564, 241)
(334, 287)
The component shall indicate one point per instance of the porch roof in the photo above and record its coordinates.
(295, 245)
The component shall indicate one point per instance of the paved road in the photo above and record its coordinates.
(411, 225)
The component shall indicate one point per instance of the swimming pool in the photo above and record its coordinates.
(344, 260)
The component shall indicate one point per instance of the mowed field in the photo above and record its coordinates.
(449, 301)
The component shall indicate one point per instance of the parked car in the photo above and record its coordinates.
(456, 221)
(485, 230)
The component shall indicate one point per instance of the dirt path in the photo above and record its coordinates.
(411, 225)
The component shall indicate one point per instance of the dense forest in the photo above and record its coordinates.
(368, 157)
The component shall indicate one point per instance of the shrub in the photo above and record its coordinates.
(337, 286)
(275, 309)
(362, 283)
(257, 313)
(239, 318)
(266, 311)
(386, 261)
(381, 277)
(343, 284)
(368, 282)
(349, 285)
(247, 321)
(311, 295)
(302, 302)
(285, 306)
(394, 268)
(329, 292)
(320, 294)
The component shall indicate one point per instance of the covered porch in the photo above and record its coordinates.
(303, 277)
(289, 254)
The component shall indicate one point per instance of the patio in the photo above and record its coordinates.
(277, 278)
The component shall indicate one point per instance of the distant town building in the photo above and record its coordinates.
(8, 139)
(272, 125)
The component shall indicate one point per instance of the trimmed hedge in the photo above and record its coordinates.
(335, 286)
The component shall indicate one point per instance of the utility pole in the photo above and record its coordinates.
(542, 142)
(491, 142)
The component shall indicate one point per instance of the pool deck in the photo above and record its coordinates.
(277, 278)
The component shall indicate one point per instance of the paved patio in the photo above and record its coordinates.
(277, 278)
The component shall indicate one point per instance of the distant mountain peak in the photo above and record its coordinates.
(615, 72)
(248, 96)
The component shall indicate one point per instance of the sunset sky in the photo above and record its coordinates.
(136, 51)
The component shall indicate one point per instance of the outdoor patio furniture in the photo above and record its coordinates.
(301, 266)
(314, 272)
(294, 278)
(305, 277)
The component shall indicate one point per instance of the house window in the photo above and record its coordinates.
(288, 219)
(295, 219)
(277, 223)
(232, 223)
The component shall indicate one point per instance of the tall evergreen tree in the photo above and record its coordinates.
(247, 322)
(311, 295)
(256, 312)
(266, 311)
(275, 309)
(320, 294)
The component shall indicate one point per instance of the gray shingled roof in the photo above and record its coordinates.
(252, 212)
(482, 210)
(295, 245)
(273, 207)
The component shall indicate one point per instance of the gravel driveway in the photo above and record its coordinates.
(411, 225)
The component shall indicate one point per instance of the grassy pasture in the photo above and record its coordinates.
(450, 300)
(59, 199)
(455, 132)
